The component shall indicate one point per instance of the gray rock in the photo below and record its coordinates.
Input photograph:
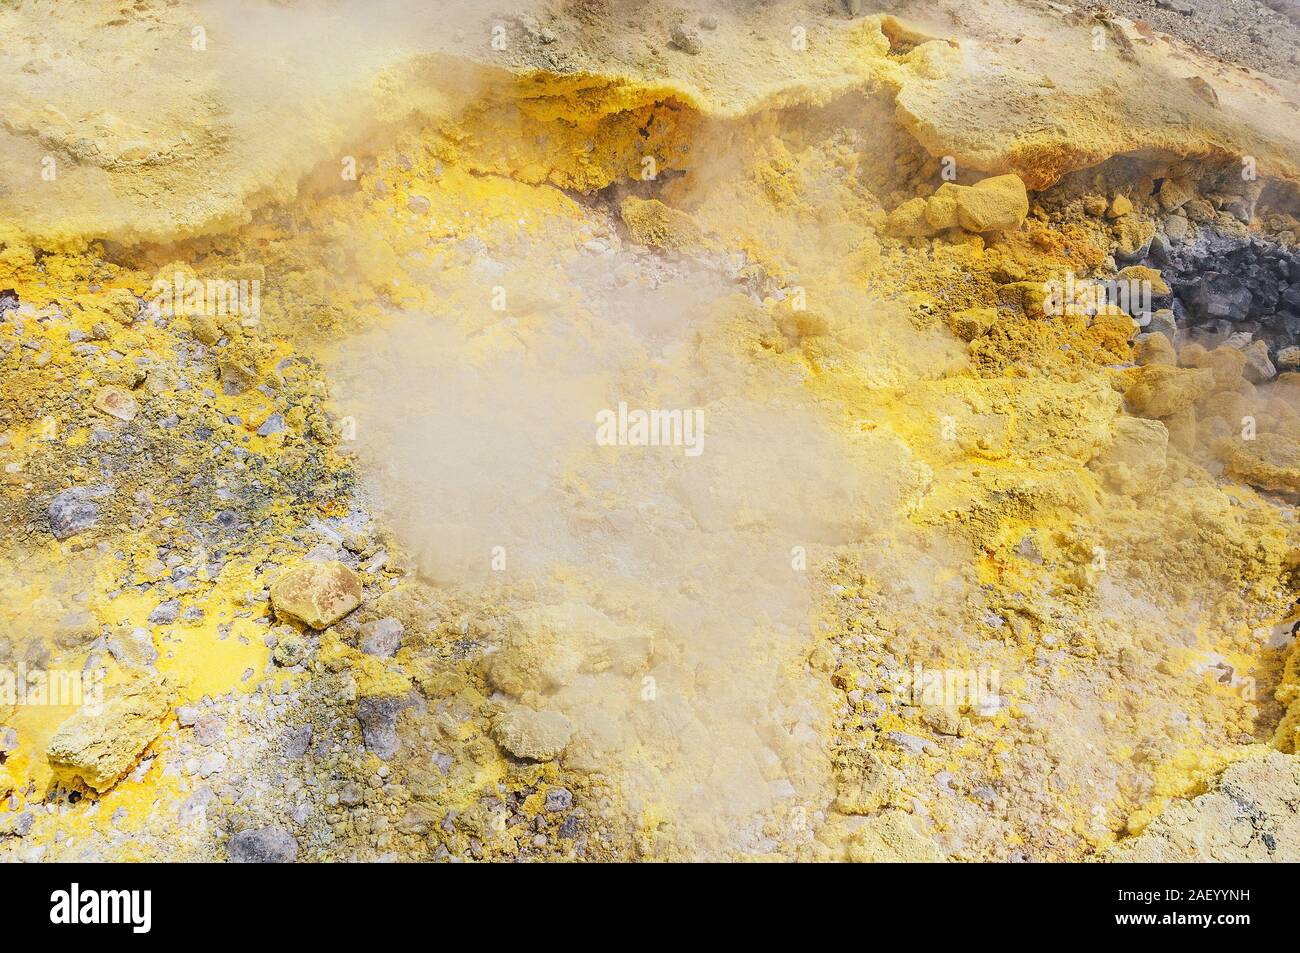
(273, 424)
(294, 743)
(1259, 368)
(418, 204)
(558, 799)
(75, 629)
(74, 511)
(1288, 358)
(1239, 209)
(1163, 322)
(1290, 299)
(210, 730)
(133, 648)
(196, 806)
(17, 825)
(263, 845)
(687, 39)
(166, 613)
(351, 794)
(378, 717)
(1219, 296)
(382, 637)
(909, 742)
(211, 764)
(1159, 247)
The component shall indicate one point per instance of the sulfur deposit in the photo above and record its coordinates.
(946, 509)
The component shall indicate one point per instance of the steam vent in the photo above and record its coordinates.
(602, 430)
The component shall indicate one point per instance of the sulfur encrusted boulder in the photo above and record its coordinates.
(1227, 364)
(316, 594)
(532, 735)
(972, 323)
(1271, 461)
(863, 783)
(1148, 277)
(99, 744)
(997, 204)
(651, 222)
(892, 837)
(941, 210)
(1161, 390)
(1136, 456)
(1154, 349)
(909, 219)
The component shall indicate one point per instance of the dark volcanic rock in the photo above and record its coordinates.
(1229, 282)
(1218, 295)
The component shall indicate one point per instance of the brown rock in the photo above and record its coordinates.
(116, 402)
(1119, 207)
(1174, 194)
(316, 594)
